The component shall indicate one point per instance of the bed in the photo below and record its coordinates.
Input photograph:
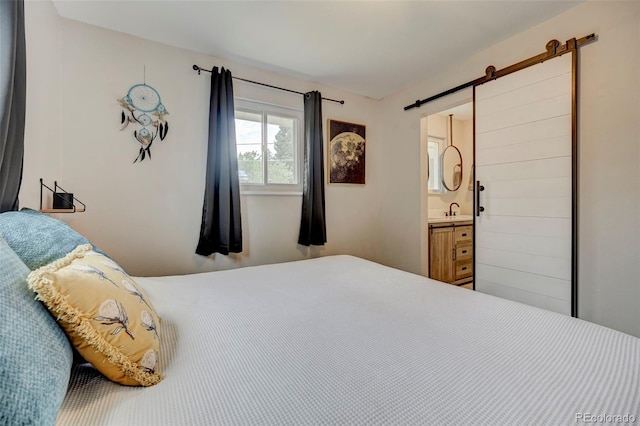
(334, 340)
(342, 340)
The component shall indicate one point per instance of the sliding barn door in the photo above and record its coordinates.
(524, 180)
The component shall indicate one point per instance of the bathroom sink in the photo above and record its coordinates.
(460, 218)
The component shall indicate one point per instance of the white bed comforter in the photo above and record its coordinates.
(340, 340)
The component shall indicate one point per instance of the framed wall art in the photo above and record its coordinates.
(346, 152)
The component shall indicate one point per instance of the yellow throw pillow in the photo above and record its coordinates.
(108, 318)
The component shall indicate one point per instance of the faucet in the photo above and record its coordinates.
(451, 205)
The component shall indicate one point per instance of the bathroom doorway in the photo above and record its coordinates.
(448, 136)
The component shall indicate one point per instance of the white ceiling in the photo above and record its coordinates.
(372, 48)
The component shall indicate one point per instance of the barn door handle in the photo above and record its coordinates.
(479, 189)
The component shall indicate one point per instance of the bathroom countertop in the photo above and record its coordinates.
(453, 219)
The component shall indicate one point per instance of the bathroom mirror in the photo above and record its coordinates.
(451, 167)
(451, 163)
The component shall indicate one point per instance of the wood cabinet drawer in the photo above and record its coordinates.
(464, 251)
(463, 234)
(464, 268)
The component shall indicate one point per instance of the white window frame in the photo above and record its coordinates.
(265, 109)
(436, 175)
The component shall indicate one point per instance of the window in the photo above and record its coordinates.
(268, 146)
(434, 147)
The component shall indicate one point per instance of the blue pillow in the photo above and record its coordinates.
(37, 238)
(35, 355)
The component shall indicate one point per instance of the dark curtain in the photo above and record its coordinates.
(312, 225)
(12, 101)
(221, 230)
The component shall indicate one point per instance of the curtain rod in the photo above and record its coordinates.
(199, 69)
(553, 49)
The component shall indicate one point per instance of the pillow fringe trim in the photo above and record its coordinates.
(58, 305)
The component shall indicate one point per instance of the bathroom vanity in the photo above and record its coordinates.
(451, 250)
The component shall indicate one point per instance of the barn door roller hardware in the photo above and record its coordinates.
(554, 48)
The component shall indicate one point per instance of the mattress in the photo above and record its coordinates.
(341, 340)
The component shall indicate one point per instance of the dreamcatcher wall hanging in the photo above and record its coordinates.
(142, 106)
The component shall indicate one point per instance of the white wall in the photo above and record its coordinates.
(147, 215)
(42, 127)
(609, 176)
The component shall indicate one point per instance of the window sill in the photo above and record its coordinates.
(271, 193)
